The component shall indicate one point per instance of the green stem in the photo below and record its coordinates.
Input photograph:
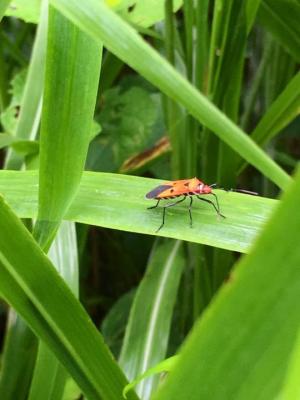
(255, 85)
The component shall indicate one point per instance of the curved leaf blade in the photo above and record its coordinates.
(118, 202)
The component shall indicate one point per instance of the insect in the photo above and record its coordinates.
(183, 188)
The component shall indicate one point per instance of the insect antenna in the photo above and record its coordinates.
(244, 191)
(237, 190)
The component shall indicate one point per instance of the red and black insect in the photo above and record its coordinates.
(183, 188)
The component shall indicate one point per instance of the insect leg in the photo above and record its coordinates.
(149, 208)
(164, 211)
(190, 211)
(217, 208)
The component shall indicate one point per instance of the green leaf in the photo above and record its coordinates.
(103, 24)
(281, 112)
(251, 11)
(118, 202)
(227, 55)
(166, 365)
(26, 147)
(114, 323)
(146, 13)
(291, 388)
(55, 316)
(28, 10)
(148, 328)
(281, 18)
(131, 120)
(5, 140)
(28, 119)
(3, 5)
(17, 359)
(72, 391)
(63, 254)
(71, 82)
(248, 333)
(9, 116)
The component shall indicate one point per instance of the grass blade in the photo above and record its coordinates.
(30, 110)
(281, 18)
(147, 332)
(103, 24)
(17, 360)
(71, 83)
(118, 202)
(250, 345)
(282, 111)
(291, 388)
(25, 277)
(63, 254)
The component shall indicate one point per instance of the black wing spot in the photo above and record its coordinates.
(187, 184)
(172, 190)
(155, 192)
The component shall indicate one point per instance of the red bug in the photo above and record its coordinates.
(183, 188)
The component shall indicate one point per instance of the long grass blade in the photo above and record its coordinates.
(118, 202)
(30, 284)
(103, 24)
(71, 83)
(147, 332)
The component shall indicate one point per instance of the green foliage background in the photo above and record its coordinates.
(101, 101)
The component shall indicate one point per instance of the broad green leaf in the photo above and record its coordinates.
(147, 332)
(71, 83)
(31, 102)
(131, 121)
(30, 284)
(103, 24)
(281, 18)
(240, 348)
(118, 202)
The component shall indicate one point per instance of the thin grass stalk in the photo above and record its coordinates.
(251, 96)
(201, 47)
(171, 107)
(3, 80)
